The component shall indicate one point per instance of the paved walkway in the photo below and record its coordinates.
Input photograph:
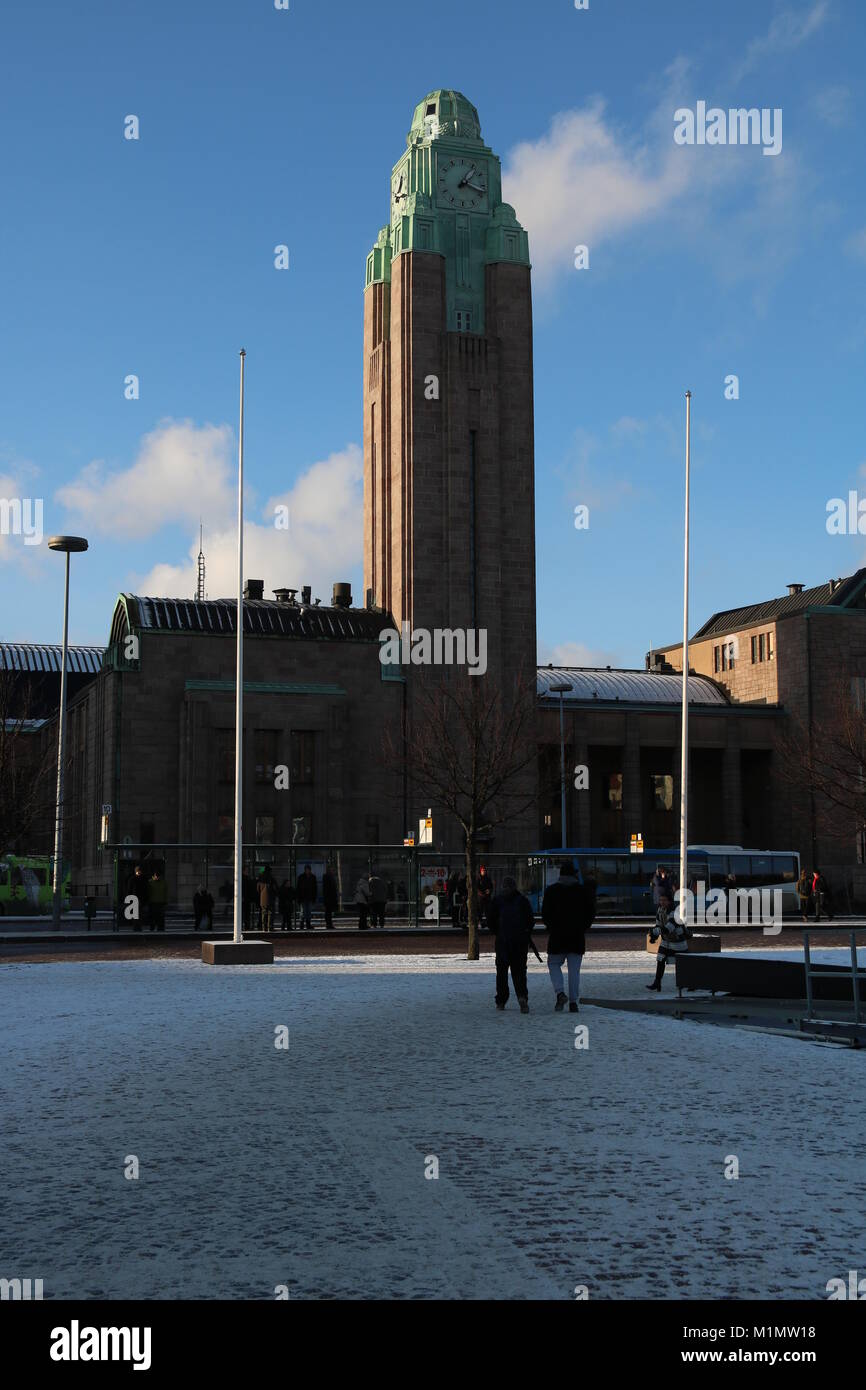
(558, 1166)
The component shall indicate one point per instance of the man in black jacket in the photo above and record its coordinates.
(511, 919)
(567, 910)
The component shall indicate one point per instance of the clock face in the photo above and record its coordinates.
(462, 184)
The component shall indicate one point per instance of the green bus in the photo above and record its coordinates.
(26, 884)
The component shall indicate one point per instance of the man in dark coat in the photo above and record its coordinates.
(511, 920)
(378, 899)
(202, 907)
(307, 892)
(330, 897)
(484, 892)
(567, 910)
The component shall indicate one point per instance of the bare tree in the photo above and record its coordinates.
(472, 751)
(25, 765)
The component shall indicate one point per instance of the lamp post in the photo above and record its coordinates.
(684, 752)
(561, 690)
(68, 545)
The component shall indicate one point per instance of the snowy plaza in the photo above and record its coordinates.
(304, 1170)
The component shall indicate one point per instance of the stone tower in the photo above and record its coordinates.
(449, 510)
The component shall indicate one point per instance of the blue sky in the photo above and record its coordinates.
(260, 127)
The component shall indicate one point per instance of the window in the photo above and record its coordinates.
(717, 659)
(431, 109)
(728, 649)
(303, 760)
(770, 651)
(614, 791)
(146, 830)
(754, 650)
(464, 321)
(264, 830)
(761, 647)
(662, 791)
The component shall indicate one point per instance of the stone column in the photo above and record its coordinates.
(732, 796)
(632, 801)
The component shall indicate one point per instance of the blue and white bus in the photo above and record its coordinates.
(624, 880)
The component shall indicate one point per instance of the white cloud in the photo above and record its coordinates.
(788, 30)
(183, 471)
(574, 654)
(322, 545)
(583, 182)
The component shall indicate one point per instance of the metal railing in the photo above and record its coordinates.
(858, 973)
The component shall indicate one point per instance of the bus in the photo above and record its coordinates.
(26, 885)
(624, 880)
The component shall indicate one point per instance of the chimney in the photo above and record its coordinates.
(342, 596)
(285, 595)
(306, 594)
(254, 588)
(795, 588)
(834, 585)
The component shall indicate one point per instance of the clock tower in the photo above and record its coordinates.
(449, 509)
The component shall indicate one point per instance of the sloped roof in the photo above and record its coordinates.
(34, 656)
(598, 685)
(262, 617)
(834, 594)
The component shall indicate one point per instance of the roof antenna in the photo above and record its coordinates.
(199, 585)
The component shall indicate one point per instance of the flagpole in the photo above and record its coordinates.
(684, 759)
(239, 681)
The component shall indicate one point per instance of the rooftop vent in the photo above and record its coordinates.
(342, 597)
(834, 585)
(285, 595)
(254, 588)
(306, 594)
(795, 588)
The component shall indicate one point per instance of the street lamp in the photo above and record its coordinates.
(69, 545)
(561, 690)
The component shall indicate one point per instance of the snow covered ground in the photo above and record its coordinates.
(602, 1166)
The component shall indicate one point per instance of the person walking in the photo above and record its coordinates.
(378, 899)
(804, 893)
(511, 920)
(267, 899)
(202, 908)
(362, 902)
(821, 894)
(136, 888)
(157, 897)
(286, 903)
(307, 892)
(567, 910)
(484, 893)
(672, 938)
(330, 897)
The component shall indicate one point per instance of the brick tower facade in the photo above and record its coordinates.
(449, 510)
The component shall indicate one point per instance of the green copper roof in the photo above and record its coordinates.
(444, 114)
